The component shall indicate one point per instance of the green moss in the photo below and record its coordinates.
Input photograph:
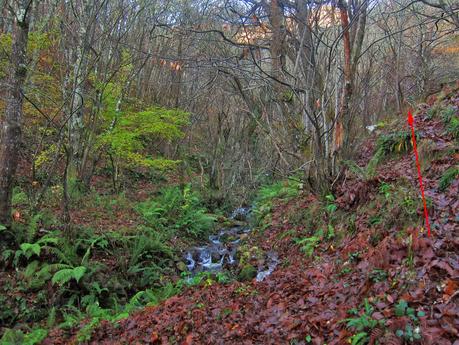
(247, 273)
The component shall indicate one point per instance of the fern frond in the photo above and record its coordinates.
(65, 275)
(32, 228)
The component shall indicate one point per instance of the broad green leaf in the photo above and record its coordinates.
(400, 308)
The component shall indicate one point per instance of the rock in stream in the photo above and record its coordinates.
(220, 251)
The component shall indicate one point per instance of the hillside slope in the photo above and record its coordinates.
(374, 275)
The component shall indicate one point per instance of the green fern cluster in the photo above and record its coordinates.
(177, 211)
(450, 118)
(448, 177)
(279, 190)
(83, 286)
(309, 244)
(387, 144)
(14, 337)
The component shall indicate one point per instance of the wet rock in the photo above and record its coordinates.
(247, 273)
(233, 223)
(215, 256)
(226, 238)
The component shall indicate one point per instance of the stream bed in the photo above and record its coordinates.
(221, 251)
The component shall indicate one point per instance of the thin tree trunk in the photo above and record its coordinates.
(10, 137)
(347, 87)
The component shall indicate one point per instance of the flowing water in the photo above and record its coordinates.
(220, 252)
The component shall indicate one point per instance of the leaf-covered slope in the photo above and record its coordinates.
(378, 278)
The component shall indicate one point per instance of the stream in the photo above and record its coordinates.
(220, 252)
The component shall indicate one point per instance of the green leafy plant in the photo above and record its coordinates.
(176, 210)
(410, 333)
(283, 190)
(309, 244)
(448, 177)
(134, 130)
(362, 323)
(378, 275)
(30, 249)
(64, 275)
(19, 197)
(331, 206)
(387, 144)
(451, 120)
(385, 189)
(13, 337)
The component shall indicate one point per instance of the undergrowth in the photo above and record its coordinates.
(448, 177)
(387, 144)
(96, 276)
(450, 118)
(282, 190)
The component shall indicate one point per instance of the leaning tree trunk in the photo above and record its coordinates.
(10, 137)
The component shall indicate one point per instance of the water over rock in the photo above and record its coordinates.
(220, 252)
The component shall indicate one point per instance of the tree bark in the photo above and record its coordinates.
(10, 137)
(347, 89)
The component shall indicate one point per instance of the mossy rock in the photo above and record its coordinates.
(181, 266)
(247, 273)
(226, 238)
(231, 223)
(247, 254)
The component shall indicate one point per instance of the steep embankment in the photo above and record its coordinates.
(372, 267)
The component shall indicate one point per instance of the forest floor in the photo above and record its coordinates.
(376, 278)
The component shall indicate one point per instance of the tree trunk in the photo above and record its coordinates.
(10, 137)
(347, 88)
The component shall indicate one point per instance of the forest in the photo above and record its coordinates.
(229, 172)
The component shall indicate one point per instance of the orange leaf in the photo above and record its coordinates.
(451, 287)
(16, 216)
(188, 339)
(154, 337)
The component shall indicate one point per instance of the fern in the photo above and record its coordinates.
(31, 268)
(265, 196)
(174, 210)
(448, 177)
(32, 227)
(65, 275)
(67, 253)
(395, 142)
(451, 120)
(13, 337)
(309, 244)
(360, 338)
(29, 249)
(51, 320)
